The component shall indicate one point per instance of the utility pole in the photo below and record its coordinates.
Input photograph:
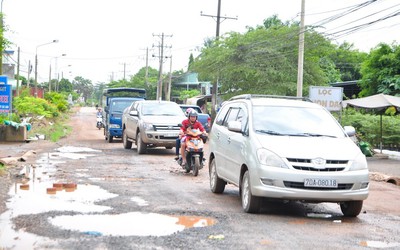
(29, 73)
(161, 61)
(301, 52)
(215, 82)
(168, 91)
(18, 62)
(146, 76)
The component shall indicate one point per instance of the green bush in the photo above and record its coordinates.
(34, 106)
(368, 127)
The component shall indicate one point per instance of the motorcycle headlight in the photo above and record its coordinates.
(359, 163)
(268, 158)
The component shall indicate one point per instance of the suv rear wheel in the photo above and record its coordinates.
(250, 203)
(217, 185)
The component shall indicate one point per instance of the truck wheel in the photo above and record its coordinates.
(127, 144)
(110, 139)
(141, 146)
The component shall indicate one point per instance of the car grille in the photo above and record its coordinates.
(166, 127)
(307, 165)
(300, 185)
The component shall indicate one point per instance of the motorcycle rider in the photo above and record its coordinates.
(193, 123)
(178, 140)
(99, 113)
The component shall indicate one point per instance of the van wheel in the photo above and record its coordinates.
(217, 185)
(141, 146)
(250, 203)
(351, 208)
(127, 144)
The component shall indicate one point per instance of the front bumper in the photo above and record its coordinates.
(289, 184)
(160, 138)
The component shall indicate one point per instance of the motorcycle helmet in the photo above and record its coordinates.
(193, 113)
(188, 111)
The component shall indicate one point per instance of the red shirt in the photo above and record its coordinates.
(196, 125)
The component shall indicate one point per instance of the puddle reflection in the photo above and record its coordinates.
(140, 224)
(38, 192)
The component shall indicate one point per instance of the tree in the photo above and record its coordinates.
(83, 87)
(264, 60)
(139, 81)
(381, 71)
(347, 61)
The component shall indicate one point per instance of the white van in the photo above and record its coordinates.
(286, 148)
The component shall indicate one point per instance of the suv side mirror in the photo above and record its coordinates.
(235, 126)
(350, 130)
(133, 113)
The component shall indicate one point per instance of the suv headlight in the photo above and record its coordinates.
(359, 163)
(147, 126)
(268, 158)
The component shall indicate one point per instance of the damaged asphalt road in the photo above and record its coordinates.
(108, 197)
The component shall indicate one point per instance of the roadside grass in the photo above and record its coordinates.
(52, 130)
(2, 168)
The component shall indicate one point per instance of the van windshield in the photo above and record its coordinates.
(295, 121)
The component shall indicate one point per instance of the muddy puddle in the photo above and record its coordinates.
(140, 224)
(37, 191)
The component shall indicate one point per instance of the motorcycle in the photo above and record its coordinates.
(194, 151)
(99, 123)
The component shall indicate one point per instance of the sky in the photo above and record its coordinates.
(104, 40)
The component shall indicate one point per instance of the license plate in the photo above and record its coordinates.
(320, 183)
(171, 135)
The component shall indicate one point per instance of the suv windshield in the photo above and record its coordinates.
(295, 121)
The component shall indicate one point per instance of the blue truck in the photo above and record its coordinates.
(114, 101)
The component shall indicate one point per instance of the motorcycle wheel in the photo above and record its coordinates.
(196, 166)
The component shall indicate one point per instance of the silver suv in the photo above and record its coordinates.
(286, 148)
(151, 124)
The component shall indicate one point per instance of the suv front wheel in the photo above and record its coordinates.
(351, 208)
(141, 146)
(127, 144)
(250, 203)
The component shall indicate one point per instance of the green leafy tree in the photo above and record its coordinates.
(347, 61)
(83, 87)
(65, 86)
(139, 81)
(381, 71)
(264, 60)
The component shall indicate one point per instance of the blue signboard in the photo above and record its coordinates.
(5, 95)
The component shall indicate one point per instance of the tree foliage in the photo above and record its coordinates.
(381, 71)
(347, 61)
(139, 80)
(264, 60)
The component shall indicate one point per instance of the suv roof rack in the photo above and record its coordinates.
(252, 96)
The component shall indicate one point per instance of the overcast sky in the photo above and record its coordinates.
(106, 40)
